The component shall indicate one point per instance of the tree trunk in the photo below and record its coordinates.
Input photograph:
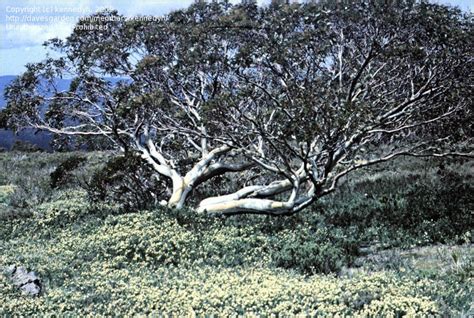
(258, 206)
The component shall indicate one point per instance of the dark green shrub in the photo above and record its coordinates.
(431, 206)
(443, 210)
(63, 173)
(323, 250)
(127, 181)
(25, 146)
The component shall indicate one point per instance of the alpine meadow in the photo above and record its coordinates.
(307, 159)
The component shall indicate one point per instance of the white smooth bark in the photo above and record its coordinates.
(246, 205)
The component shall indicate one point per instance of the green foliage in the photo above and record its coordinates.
(205, 74)
(3, 119)
(412, 206)
(61, 175)
(321, 250)
(25, 146)
(6, 209)
(5, 192)
(147, 263)
(29, 175)
(450, 266)
(227, 292)
(94, 261)
(67, 207)
(125, 180)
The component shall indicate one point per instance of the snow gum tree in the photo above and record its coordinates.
(287, 99)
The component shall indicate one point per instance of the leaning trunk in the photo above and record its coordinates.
(258, 206)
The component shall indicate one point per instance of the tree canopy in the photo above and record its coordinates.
(288, 98)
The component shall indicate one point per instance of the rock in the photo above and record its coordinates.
(10, 270)
(28, 282)
(33, 288)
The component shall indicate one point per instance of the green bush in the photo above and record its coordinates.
(29, 174)
(322, 250)
(62, 174)
(5, 192)
(69, 207)
(128, 181)
(105, 291)
(410, 207)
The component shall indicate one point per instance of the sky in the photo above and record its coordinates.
(26, 24)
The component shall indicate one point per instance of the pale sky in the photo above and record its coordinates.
(26, 24)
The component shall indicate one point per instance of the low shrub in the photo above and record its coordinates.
(63, 173)
(30, 174)
(68, 207)
(96, 261)
(320, 250)
(149, 263)
(5, 192)
(127, 181)
(410, 207)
